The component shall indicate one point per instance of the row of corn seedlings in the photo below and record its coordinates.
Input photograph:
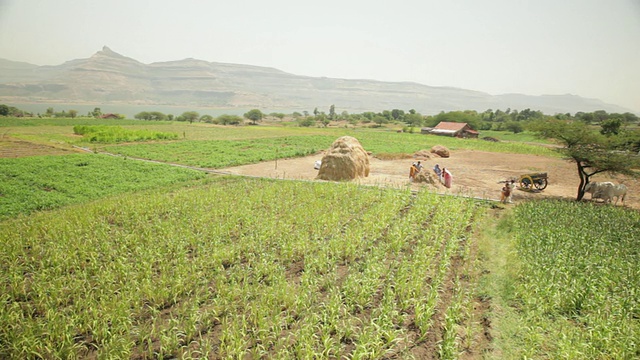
(579, 292)
(238, 268)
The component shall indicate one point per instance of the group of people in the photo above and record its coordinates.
(443, 174)
(416, 167)
(445, 177)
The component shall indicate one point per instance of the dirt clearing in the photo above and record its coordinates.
(475, 173)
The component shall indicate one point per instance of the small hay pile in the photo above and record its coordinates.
(345, 160)
(422, 155)
(441, 151)
(428, 177)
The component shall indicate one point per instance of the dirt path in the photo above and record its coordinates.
(475, 173)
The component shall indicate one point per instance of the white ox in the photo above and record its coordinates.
(606, 191)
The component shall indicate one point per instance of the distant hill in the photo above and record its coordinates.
(110, 78)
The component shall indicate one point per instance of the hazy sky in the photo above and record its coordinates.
(589, 48)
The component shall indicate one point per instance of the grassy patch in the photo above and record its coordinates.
(47, 182)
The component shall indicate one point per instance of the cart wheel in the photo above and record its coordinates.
(541, 184)
(526, 183)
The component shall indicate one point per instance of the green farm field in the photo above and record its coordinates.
(108, 257)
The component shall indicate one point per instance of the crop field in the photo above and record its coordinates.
(107, 257)
(118, 134)
(577, 283)
(35, 183)
(201, 144)
(224, 153)
(241, 268)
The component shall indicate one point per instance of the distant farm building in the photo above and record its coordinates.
(110, 116)
(461, 130)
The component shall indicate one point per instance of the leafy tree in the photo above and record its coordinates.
(279, 116)
(190, 116)
(600, 116)
(354, 119)
(206, 118)
(296, 115)
(49, 112)
(73, 113)
(514, 126)
(397, 114)
(586, 118)
(156, 115)
(528, 114)
(307, 121)
(153, 115)
(323, 119)
(254, 115)
(630, 118)
(96, 113)
(143, 115)
(332, 112)
(592, 152)
(379, 120)
(369, 115)
(229, 119)
(413, 120)
(4, 110)
(610, 127)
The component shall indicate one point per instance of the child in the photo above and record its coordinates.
(511, 186)
(506, 193)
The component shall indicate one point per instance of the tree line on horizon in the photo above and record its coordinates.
(510, 120)
(498, 120)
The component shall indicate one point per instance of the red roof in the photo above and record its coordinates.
(453, 126)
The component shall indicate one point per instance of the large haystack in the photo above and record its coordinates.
(345, 160)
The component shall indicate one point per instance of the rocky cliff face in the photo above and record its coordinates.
(108, 77)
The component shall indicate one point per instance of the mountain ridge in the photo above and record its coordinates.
(108, 77)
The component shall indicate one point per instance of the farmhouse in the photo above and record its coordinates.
(110, 116)
(461, 130)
